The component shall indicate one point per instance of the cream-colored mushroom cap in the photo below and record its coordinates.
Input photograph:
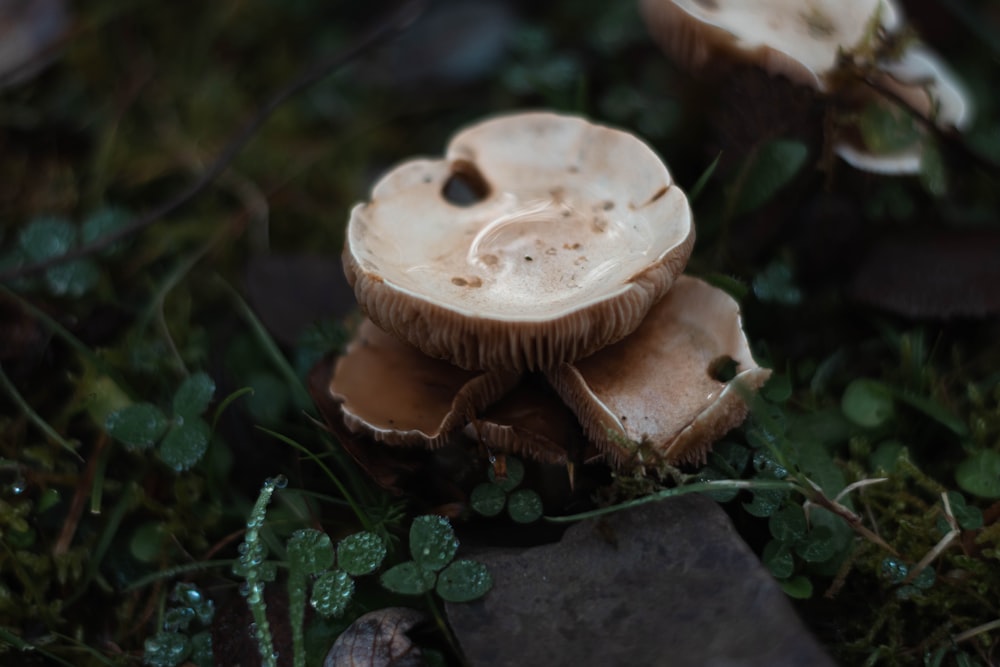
(576, 231)
(655, 396)
(800, 39)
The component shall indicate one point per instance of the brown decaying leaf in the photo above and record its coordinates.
(378, 639)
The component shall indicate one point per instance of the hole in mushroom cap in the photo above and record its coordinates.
(466, 185)
(723, 368)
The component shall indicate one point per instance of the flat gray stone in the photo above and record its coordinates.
(670, 583)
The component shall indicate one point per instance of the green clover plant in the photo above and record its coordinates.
(489, 498)
(181, 439)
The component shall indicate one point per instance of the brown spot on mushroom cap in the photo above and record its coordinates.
(391, 391)
(652, 396)
(797, 39)
(406, 245)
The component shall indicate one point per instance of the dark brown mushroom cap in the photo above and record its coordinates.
(653, 397)
(578, 229)
(397, 395)
(800, 40)
(529, 421)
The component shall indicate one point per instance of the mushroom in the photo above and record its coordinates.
(575, 231)
(803, 41)
(654, 397)
(541, 242)
(820, 44)
(397, 395)
(922, 81)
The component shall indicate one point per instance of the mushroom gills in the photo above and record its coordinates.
(653, 397)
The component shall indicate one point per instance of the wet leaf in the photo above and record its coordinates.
(185, 444)
(102, 222)
(524, 506)
(166, 649)
(47, 237)
(765, 502)
(887, 129)
(139, 425)
(514, 476)
(980, 474)
(310, 551)
(408, 579)
(867, 403)
(464, 580)
(488, 499)
(968, 518)
(768, 170)
(778, 558)
(361, 553)
(432, 541)
(775, 285)
(72, 279)
(818, 546)
(798, 587)
(332, 592)
(194, 395)
(788, 524)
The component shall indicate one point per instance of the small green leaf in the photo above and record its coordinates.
(332, 592)
(72, 279)
(408, 579)
(818, 546)
(185, 444)
(777, 557)
(778, 388)
(788, 524)
(139, 425)
(775, 285)
(146, 545)
(968, 518)
(488, 499)
(432, 541)
(980, 474)
(194, 395)
(765, 502)
(769, 169)
(524, 506)
(361, 553)
(867, 403)
(47, 237)
(310, 551)
(798, 587)
(885, 458)
(201, 649)
(515, 474)
(464, 580)
(102, 222)
(887, 129)
(166, 649)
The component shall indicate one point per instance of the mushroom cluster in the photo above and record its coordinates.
(538, 264)
(857, 51)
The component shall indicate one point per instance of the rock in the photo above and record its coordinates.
(665, 583)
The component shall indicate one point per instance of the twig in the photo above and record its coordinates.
(397, 20)
(942, 544)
